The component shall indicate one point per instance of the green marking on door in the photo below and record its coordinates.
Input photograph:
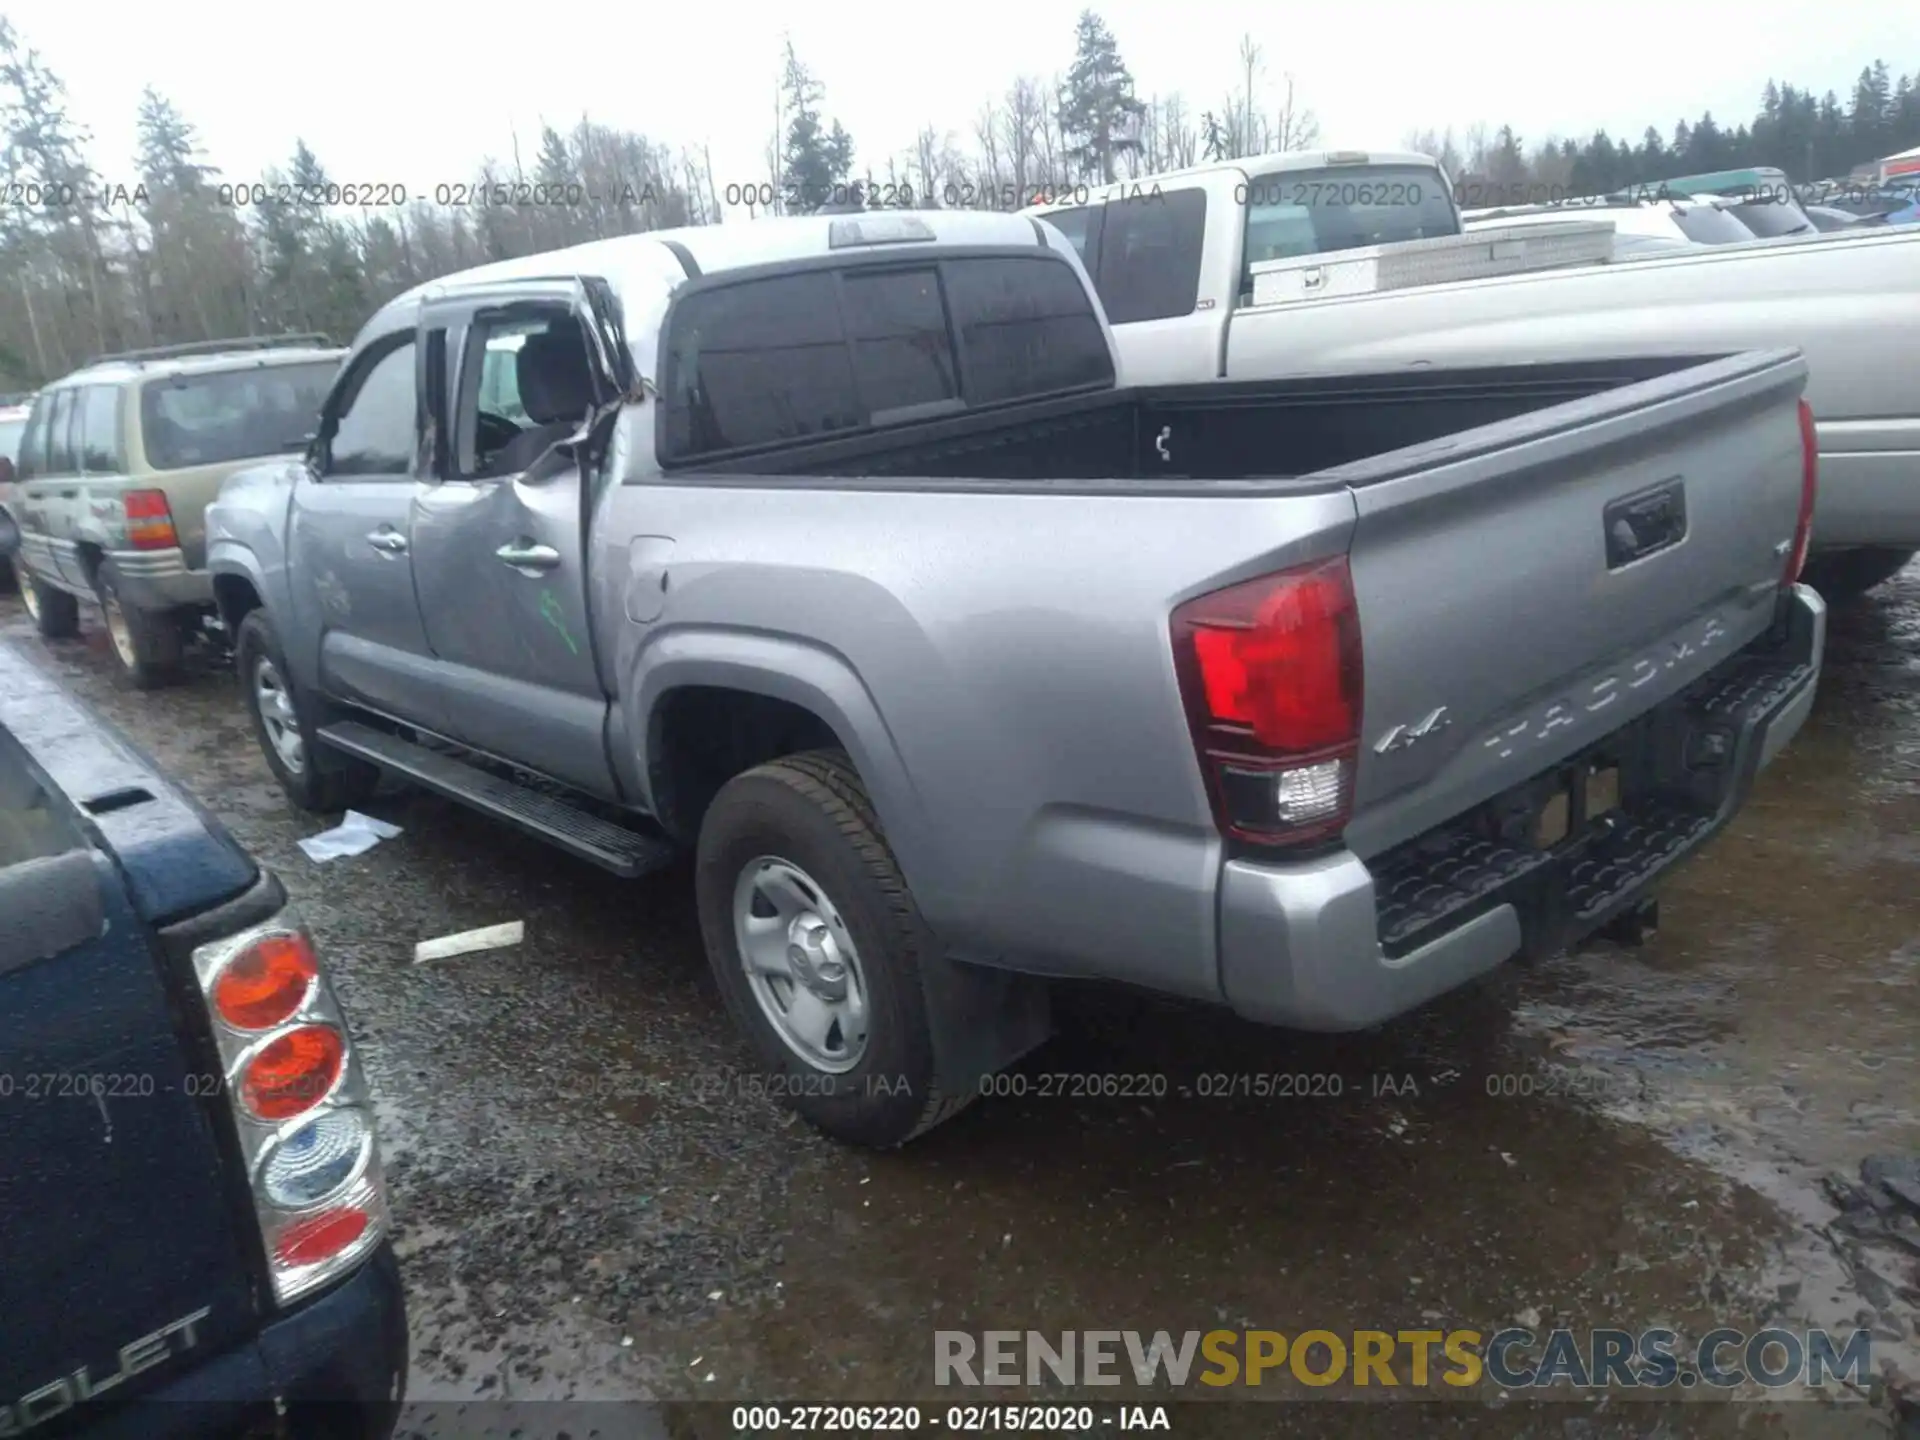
(550, 609)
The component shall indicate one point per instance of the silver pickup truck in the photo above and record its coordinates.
(828, 550)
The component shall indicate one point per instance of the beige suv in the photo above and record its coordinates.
(116, 468)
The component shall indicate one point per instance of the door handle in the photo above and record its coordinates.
(391, 541)
(525, 555)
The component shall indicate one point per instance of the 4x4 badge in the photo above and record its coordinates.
(1401, 737)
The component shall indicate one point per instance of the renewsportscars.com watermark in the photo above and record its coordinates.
(1513, 1359)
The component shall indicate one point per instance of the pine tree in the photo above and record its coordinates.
(815, 160)
(1099, 114)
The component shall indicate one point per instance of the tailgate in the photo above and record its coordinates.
(1526, 588)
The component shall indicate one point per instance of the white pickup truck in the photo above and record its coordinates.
(1172, 259)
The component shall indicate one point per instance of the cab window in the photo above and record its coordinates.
(527, 385)
(1150, 246)
(802, 356)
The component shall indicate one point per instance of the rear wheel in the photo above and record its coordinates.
(314, 777)
(56, 614)
(1847, 574)
(149, 643)
(816, 945)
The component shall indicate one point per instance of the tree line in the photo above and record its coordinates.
(182, 253)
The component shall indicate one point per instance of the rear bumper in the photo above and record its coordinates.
(1341, 944)
(336, 1367)
(160, 580)
(157, 580)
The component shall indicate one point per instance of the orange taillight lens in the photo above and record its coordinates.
(293, 1073)
(149, 520)
(266, 983)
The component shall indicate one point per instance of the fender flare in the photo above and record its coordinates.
(810, 676)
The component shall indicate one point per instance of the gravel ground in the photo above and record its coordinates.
(594, 1204)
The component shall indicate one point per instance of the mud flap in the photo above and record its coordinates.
(981, 1019)
(1632, 927)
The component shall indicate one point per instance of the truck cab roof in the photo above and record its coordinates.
(645, 269)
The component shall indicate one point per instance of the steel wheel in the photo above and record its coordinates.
(29, 596)
(117, 628)
(801, 964)
(277, 716)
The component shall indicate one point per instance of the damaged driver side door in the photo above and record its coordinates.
(500, 530)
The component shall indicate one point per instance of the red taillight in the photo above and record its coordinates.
(320, 1237)
(149, 521)
(265, 983)
(297, 1103)
(1271, 674)
(1809, 490)
(294, 1072)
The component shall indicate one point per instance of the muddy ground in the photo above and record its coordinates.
(594, 1205)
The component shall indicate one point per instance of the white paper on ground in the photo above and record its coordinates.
(489, 937)
(354, 835)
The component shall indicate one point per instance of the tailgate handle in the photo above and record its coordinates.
(1645, 522)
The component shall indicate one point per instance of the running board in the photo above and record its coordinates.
(610, 846)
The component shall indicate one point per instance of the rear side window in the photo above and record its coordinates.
(60, 457)
(98, 435)
(797, 357)
(1150, 256)
(1027, 328)
(210, 419)
(758, 362)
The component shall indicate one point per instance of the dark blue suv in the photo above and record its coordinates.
(193, 1220)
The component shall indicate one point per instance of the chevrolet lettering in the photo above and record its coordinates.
(60, 1395)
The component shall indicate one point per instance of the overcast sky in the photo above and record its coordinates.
(415, 94)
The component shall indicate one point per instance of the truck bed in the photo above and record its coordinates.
(979, 607)
(1219, 431)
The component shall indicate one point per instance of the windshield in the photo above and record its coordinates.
(10, 432)
(1310, 212)
(1710, 225)
(1774, 215)
(232, 414)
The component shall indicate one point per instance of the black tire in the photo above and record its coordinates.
(1842, 575)
(811, 811)
(149, 644)
(326, 780)
(56, 614)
